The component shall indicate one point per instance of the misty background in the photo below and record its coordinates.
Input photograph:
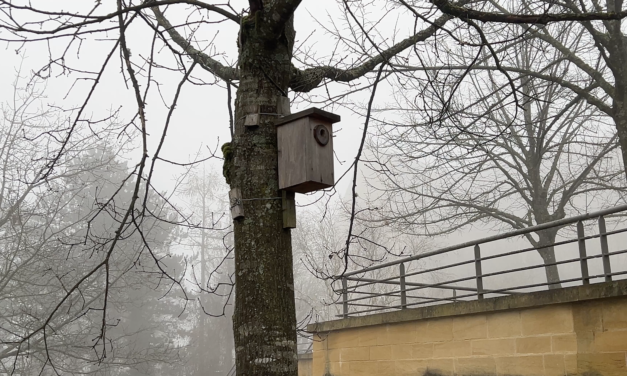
(173, 316)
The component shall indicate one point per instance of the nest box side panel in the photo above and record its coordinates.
(320, 154)
(292, 155)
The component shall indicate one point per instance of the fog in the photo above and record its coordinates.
(115, 260)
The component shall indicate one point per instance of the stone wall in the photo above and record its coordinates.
(581, 332)
(305, 364)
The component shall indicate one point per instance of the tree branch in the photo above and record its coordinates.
(464, 13)
(583, 92)
(90, 20)
(570, 55)
(205, 61)
(280, 12)
(308, 79)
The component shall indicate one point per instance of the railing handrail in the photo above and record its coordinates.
(527, 230)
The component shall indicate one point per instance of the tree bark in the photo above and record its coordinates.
(264, 322)
(620, 119)
(619, 111)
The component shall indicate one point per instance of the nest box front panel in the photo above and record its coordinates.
(305, 145)
(320, 154)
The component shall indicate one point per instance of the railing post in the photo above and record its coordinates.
(478, 272)
(401, 267)
(607, 267)
(583, 257)
(344, 298)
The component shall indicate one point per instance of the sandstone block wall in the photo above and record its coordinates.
(575, 338)
(305, 365)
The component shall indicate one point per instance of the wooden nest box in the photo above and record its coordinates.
(305, 143)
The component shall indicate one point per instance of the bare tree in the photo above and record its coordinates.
(53, 226)
(553, 157)
(264, 318)
(595, 52)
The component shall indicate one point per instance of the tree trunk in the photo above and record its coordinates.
(619, 110)
(621, 127)
(547, 237)
(264, 321)
(617, 47)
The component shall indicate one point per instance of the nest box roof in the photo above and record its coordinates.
(310, 112)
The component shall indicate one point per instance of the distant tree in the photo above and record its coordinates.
(208, 237)
(591, 42)
(510, 167)
(318, 243)
(55, 229)
(152, 332)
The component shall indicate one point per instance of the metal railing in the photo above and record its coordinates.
(478, 268)
(304, 343)
(232, 371)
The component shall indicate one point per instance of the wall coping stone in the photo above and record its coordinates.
(502, 303)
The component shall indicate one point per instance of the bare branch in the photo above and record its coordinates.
(90, 19)
(205, 61)
(464, 13)
(308, 79)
